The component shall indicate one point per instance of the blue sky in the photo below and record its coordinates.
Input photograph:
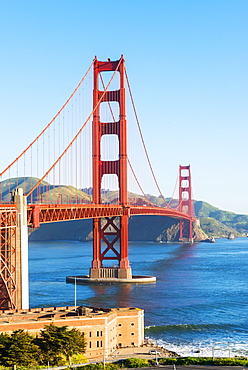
(187, 63)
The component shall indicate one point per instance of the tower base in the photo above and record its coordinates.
(110, 273)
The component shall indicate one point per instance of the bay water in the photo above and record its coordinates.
(198, 306)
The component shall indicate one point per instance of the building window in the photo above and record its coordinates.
(99, 343)
(99, 333)
(132, 343)
(90, 334)
(132, 323)
(119, 324)
(120, 335)
(90, 344)
(132, 333)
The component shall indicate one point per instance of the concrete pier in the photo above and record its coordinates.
(135, 279)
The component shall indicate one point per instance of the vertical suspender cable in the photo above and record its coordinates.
(49, 124)
(78, 133)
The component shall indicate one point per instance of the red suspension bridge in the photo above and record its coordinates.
(85, 146)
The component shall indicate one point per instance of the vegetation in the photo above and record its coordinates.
(214, 228)
(179, 361)
(214, 221)
(18, 349)
(134, 362)
(55, 345)
(226, 221)
(184, 361)
(44, 193)
(25, 351)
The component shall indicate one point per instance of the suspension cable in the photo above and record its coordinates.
(138, 183)
(131, 167)
(80, 130)
(142, 139)
(49, 124)
(174, 190)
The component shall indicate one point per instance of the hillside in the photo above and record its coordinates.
(226, 221)
(45, 192)
(214, 222)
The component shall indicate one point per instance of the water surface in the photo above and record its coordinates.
(199, 302)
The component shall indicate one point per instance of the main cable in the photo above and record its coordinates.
(131, 167)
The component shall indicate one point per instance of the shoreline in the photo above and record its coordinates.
(194, 351)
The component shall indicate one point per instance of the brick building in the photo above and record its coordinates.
(104, 329)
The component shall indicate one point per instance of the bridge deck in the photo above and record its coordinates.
(45, 213)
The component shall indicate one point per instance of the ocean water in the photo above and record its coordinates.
(198, 306)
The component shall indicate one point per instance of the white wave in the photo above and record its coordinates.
(206, 349)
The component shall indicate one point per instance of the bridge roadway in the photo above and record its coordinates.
(45, 213)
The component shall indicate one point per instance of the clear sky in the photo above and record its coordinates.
(187, 62)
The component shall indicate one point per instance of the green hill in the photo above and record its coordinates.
(214, 222)
(227, 221)
(45, 192)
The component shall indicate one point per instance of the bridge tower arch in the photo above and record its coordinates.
(110, 234)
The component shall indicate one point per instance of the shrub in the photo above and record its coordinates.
(135, 362)
(183, 361)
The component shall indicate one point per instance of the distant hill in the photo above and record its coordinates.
(214, 222)
(45, 192)
(227, 221)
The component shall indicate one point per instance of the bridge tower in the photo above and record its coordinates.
(110, 234)
(14, 292)
(185, 204)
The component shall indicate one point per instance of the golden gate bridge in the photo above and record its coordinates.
(85, 144)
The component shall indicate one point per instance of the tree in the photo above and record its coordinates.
(75, 343)
(18, 349)
(4, 344)
(57, 343)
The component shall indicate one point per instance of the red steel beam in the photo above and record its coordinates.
(52, 213)
(185, 203)
(158, 211)
(46, 213)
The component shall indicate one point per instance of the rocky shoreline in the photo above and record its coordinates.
(142, 352)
